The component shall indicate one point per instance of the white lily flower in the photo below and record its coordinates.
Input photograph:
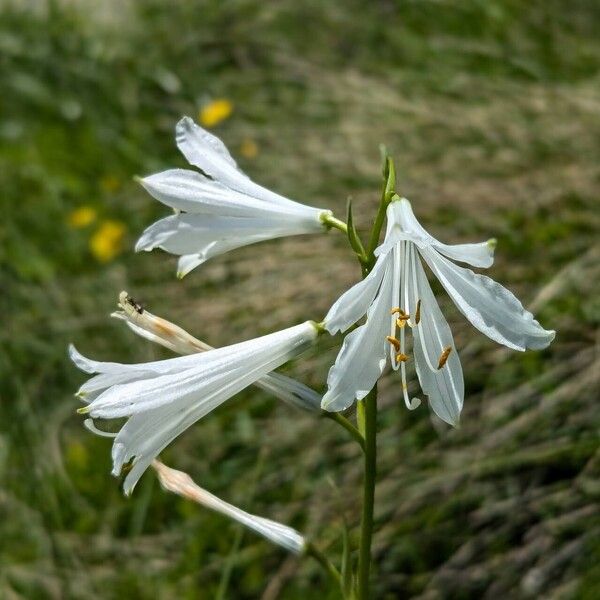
(396, 293)
(219, 209)
(182, 484)
(161, 399)
(171, 336)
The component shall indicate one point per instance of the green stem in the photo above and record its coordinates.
(312, 550)
(331, 221)
(368, 408)
(341, 420)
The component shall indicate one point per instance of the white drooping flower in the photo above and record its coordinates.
(161, 399)
(182, 484)
(171, 336)
(396, 293)
(220, 208)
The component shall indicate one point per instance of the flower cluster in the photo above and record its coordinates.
(217, 208)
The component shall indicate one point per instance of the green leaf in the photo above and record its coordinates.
(353, 237)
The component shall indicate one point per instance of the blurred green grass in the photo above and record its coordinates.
(491, 110)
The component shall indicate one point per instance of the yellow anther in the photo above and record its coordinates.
(401, 321)
(400, 357)
(418, 313)
(444, 356)
(394, 342)
(396, 310)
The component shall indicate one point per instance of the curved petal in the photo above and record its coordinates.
(192, 192)
(362, 358)
(147, 433)
(432, 335)
(477, 255)
(208, 153)
(490, 307)
(200, 237)
(353, 303)
(201, 374)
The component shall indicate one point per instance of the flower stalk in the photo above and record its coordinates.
(368, 408)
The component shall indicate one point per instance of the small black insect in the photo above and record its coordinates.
(136, 305)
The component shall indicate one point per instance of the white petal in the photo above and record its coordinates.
(477, 255)
(353, 304)
(204, 236)
(445, 386)
(169, 335)
(158, 367)
(203, 148)
(209, 154)
(182, 484)
(291, 391)
(490, 307)
(147, 433)
(362, 358)
(187, 263)
(201, 374)
(192, 192)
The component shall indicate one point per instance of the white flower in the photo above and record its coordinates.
(396, 293)
(219, 209)
(171, 336)
(163, 398)
(182, 484)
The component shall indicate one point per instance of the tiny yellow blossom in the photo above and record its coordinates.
(107, 241)
(249, 148)
(110, 183)
(216, 111)
(82, 217)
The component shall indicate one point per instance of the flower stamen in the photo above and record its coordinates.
(444, 357)
(401, 357)
(394, 342)
(418, 312)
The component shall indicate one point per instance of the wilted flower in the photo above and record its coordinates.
(182, 484)
(161, 399)
(219, 209)
(396, 293)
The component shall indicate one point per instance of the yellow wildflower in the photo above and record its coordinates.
(82, 217)
(214, 112)
(107, 241)
(249, 148)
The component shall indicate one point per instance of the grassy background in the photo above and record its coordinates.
(492, 111)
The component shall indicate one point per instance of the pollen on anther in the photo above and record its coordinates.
(394, 342)
(444, 356)
(396, 310)
(401, 357)
(401, 321)
(418, 313)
